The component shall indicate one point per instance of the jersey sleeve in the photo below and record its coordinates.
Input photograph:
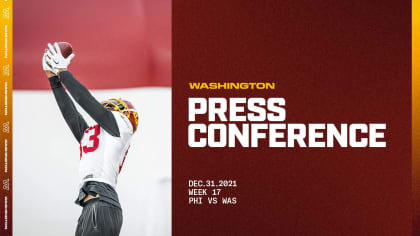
(124, 125)
(85, 99)
(72, 117)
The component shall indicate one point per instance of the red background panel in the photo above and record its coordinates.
(118, 44)
(333, 62)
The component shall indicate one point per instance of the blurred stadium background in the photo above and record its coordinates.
(123, 49)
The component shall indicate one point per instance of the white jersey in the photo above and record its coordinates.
(101, 154)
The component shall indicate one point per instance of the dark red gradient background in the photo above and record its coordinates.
(333, 61)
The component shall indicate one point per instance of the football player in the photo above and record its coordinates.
(103, 146)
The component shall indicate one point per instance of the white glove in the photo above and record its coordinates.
(45, 65)
(55, 59)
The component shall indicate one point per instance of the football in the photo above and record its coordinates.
(66, 49)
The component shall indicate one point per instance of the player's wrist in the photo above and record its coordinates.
(61, 70)
(49, 74)
(54, 82)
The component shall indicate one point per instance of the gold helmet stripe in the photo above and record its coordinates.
(116, 107)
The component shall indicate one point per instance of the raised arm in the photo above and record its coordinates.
(55, 62)
(95, 109)
(73, 118)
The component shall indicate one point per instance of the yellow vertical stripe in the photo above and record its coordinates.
(416, 98)
(6, 87)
